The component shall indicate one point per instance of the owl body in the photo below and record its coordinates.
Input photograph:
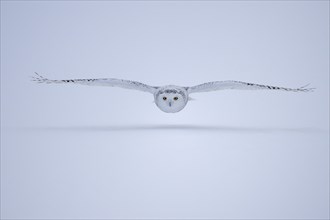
(170, 99)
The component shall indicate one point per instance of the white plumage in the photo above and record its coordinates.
(171, 98)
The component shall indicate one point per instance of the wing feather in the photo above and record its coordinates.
(127, 84)
(221, 85)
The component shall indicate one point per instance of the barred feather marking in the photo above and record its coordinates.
(127, 84)
(221, 85)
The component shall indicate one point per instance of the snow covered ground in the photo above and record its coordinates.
(158, 171)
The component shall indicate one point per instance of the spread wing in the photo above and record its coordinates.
(220, 85)
(127, 84)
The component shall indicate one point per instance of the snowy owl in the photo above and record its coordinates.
(170, 99)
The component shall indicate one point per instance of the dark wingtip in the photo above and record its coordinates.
(305, 88)
(38, 78)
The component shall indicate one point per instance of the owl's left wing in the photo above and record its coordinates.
(127, 84)
(221, 85)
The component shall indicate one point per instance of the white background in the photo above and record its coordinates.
(70, 151)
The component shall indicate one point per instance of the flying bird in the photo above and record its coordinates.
(170, 98)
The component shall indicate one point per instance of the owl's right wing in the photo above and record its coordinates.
(221, 85)
(127, 84)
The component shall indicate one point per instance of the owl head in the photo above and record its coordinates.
(171, 99)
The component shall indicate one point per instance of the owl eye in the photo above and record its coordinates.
(175, 98)
(164, 98)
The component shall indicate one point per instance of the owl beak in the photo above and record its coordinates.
(170, 104)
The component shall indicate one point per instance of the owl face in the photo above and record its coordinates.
(171, 99)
